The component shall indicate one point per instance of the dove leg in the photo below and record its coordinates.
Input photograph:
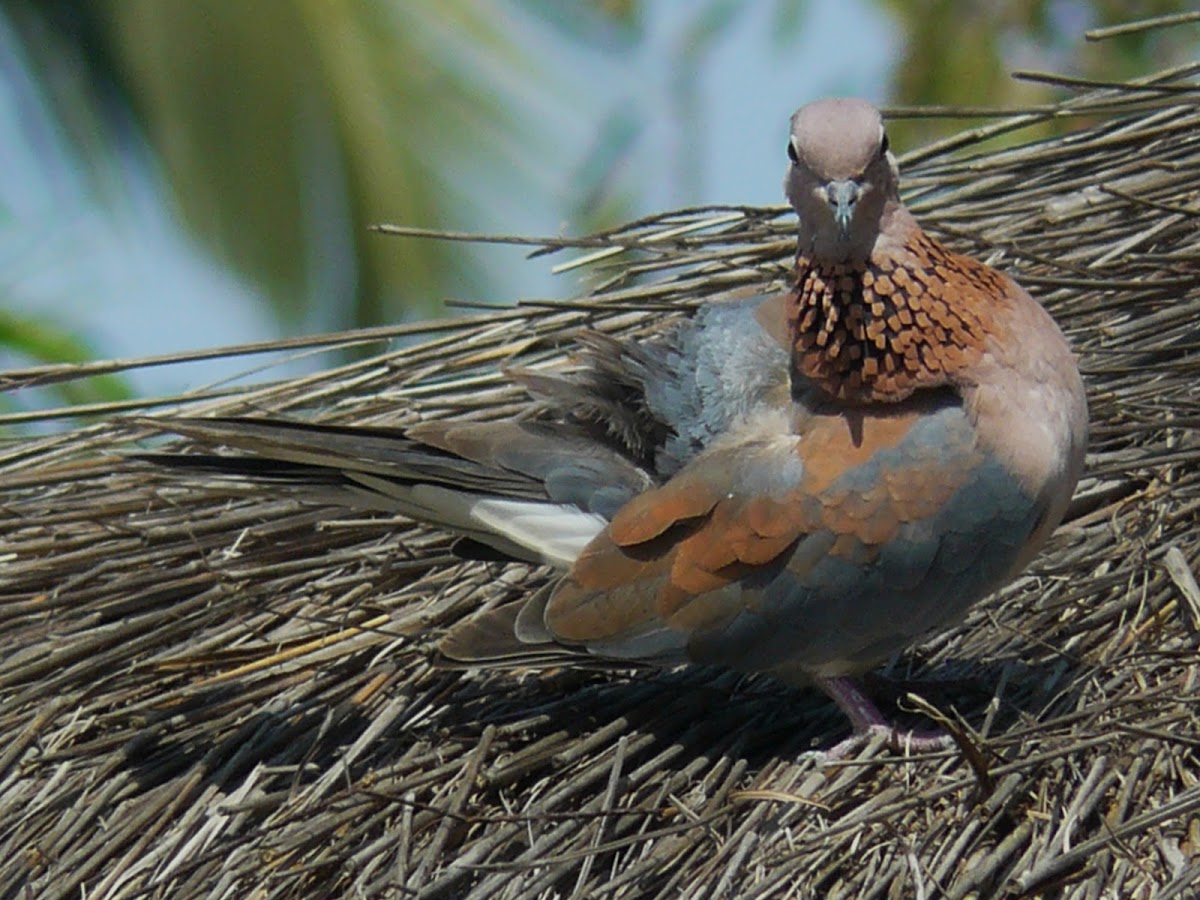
(867, 721)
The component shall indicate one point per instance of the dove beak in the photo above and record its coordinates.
(842, 195)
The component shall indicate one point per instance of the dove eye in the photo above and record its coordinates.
(792, 154)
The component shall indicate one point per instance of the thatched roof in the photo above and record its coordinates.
(209, 689)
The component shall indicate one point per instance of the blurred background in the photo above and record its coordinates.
(178, 174)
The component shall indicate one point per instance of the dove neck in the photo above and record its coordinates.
(908, 317)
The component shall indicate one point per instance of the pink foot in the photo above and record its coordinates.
(868, 722)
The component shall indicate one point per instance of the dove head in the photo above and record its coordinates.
(842, 178)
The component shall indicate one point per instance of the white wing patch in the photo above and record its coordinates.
(554, 533)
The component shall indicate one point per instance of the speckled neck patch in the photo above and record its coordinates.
(879, 330)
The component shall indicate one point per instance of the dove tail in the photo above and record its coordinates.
(384, 469)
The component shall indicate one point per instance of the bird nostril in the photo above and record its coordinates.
(843, 192)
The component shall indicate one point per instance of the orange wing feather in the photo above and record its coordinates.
(671, 556)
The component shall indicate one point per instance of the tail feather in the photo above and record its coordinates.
(497, 638)
(385, 452)
(532, 500)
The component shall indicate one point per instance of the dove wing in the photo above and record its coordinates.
(825, 549)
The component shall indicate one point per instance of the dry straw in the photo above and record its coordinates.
(208, 689)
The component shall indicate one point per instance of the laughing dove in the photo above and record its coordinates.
(800, 484)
